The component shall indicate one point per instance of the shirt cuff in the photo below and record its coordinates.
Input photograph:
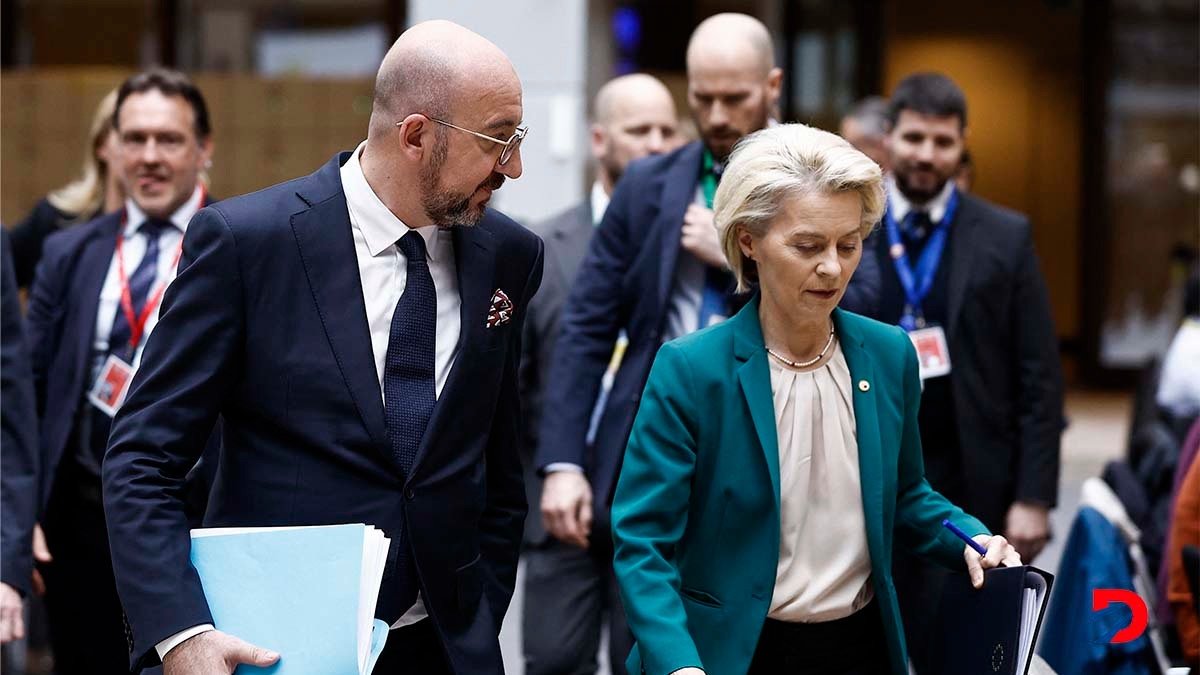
(554, 467)
(177, 639)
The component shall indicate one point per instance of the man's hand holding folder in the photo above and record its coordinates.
(201, 654)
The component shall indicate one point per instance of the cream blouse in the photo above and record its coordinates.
(824, 569)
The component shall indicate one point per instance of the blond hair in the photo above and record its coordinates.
(85, 196)
(783, 161)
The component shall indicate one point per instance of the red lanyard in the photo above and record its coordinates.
(137, 324)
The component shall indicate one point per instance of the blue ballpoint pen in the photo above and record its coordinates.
(963, 535)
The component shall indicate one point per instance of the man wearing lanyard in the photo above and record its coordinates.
(654, 269)
(960, 275)
(93, 303)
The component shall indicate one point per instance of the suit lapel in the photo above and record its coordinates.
(95, 257)
(754, 375)
(959, 254)
(323, 235)
(679, 190)
(866, 417)
(475, 265)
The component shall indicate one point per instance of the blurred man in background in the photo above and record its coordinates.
(654, 269)
(866, 127)
(93, 303)
(570, 589)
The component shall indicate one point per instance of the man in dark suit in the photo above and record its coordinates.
(569, 589)
(19, 458)
(654, 269)
(953, 268)
(358, 330)
(94, 298)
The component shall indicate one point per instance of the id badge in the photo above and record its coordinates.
(108, 393)
(932, 353)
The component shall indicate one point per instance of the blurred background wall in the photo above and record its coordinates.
(1083, 114)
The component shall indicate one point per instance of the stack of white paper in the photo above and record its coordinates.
(308, 593)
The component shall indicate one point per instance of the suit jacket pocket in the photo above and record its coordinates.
(700, 597)
(470, 587)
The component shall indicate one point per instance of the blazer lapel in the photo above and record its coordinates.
(323, 235)
(475, 265)
(755, 377)
(679, 190)
(95, 257)
(959, 255)
(866, 417)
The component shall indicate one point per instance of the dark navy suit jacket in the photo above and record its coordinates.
(19, 458)
(63, 302)
(626, 282)
(266, 326)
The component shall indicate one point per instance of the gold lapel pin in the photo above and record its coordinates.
(863, 385)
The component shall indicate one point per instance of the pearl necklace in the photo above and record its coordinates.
(804, 364)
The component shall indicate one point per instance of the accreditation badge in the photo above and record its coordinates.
(932, 353)
(108, 392)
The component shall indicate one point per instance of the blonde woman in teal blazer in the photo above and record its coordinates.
(720, 571)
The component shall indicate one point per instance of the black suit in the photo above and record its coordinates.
(19, 457)
(568, 590)
(266, 325)
(991, 429)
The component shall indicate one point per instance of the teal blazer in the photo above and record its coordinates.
(695, 516)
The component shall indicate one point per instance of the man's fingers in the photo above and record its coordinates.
(244, 652)
(39, 585)
(41, 551)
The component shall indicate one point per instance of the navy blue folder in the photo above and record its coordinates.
(993, 629)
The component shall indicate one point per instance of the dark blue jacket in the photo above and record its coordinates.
(266, 326)
(625, 282)
(19, 458)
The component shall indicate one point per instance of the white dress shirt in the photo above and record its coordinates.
(899, 206)
(683, 307)
(383, 271)
(133, 249)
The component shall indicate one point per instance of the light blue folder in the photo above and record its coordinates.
(295, 591)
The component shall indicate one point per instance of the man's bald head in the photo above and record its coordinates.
(733, 84)
(447, 103)
(432, 68)
(727, 37)
(633, 116)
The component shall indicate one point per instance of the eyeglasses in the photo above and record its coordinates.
(510, 146)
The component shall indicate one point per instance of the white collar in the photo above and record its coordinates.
(600, 201)
(379, 226)
(899, 206)
(135, 216)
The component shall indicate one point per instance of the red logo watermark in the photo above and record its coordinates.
(1103, 597)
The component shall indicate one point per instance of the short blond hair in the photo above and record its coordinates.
(785, 161)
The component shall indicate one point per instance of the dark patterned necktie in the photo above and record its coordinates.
(140, 284)
(408, 382)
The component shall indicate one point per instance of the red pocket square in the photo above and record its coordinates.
(501, 311)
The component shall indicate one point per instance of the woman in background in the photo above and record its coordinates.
(96, 192)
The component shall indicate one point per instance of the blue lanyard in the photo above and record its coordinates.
(918, 282)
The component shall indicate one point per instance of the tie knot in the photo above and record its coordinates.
(154, 227)
(412, 245)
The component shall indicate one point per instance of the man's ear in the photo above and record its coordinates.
(415, 135)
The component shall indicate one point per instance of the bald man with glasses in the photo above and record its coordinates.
(359, 331)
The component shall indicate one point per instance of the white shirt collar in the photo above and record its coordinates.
(135, 216)
(899, 206)
(600, 201)
(379, 226)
